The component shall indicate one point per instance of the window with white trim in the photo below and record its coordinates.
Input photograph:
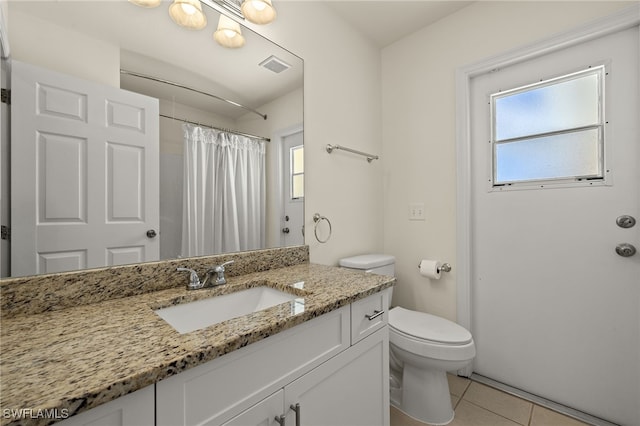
(296, 158)
(549, 132)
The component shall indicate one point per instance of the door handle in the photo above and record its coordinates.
(285, 230)
(625, 250)
(151, 233)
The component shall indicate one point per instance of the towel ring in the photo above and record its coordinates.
(317, 218)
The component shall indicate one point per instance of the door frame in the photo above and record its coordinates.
(621, 20)
(278, 139)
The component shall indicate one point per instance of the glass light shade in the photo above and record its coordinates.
(188, 14)
(228, 33)
(146, 3)
(258, 11)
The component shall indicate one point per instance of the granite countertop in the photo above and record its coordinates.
(77, 358)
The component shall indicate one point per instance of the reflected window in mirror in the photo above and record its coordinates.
(296, 156)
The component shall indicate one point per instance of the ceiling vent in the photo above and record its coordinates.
(275, 64)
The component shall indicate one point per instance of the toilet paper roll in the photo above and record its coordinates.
(430, 269)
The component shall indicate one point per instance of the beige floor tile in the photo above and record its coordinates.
(544, 417)
(454, 401)
(501, 403)
(468, 414)
(457, 385)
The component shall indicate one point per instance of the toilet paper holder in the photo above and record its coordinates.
(445, 267)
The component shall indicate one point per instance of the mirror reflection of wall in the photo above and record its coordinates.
(96, 40)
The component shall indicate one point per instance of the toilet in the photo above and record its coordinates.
(423, 347)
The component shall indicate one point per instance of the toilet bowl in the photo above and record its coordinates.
(423, 348)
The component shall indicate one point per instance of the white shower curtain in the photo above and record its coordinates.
(224, 192)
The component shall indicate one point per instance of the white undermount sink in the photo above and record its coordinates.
(192, 316)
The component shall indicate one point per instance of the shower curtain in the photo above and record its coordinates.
(224, 192)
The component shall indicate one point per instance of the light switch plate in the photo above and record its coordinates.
(416, 211)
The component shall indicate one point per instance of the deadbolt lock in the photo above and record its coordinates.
(626, 221)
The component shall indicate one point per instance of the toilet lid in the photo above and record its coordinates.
(428, 327)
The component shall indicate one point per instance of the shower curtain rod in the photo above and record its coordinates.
(262, 138)
(182, 86)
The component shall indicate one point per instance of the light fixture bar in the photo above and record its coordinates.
(228, 5)
(182, 86)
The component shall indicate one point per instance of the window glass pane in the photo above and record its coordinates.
(297, 159)
(566, 155)
(297, 186)
(568, 104)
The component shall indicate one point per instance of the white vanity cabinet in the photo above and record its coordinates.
(314, 365)
(134, 409)
(350, 389)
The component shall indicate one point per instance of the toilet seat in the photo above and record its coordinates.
(429, 336)
(423, 326)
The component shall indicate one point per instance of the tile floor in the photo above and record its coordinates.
(476, 404)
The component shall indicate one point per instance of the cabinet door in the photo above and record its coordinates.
(351, 388)
(264, 413)
(134, 409)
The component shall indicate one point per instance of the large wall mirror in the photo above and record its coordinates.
(123, 47)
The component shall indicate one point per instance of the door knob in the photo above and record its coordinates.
(151, 233)
(285, 230)
(625, 249)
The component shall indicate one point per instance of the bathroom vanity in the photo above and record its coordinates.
(321, 358)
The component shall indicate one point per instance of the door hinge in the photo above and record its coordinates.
(5, 233)
(5, 96)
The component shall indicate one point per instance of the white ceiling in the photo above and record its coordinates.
(385, 22)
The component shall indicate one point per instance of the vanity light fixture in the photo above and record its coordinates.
(228, 33)
(258, 11)
(146, 3)
(188, 14)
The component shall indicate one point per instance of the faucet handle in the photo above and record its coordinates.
(194, 280)
(220, 268)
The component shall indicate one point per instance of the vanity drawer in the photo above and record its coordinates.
(369, 314)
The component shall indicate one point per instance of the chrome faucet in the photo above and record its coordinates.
(194, 280)
(219, 271)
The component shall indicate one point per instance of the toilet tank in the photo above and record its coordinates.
(382, 264)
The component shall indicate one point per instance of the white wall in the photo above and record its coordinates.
(82, 56)
(418, 98)
(341, 106)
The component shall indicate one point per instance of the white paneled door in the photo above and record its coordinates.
(555, 309)
(84, 177)
(293, 172)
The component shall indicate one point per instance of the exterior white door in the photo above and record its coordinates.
(84, 175)
(293, 178)
(555, 310)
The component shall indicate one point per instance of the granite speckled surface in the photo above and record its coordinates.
(26, 295)
(76, 358)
